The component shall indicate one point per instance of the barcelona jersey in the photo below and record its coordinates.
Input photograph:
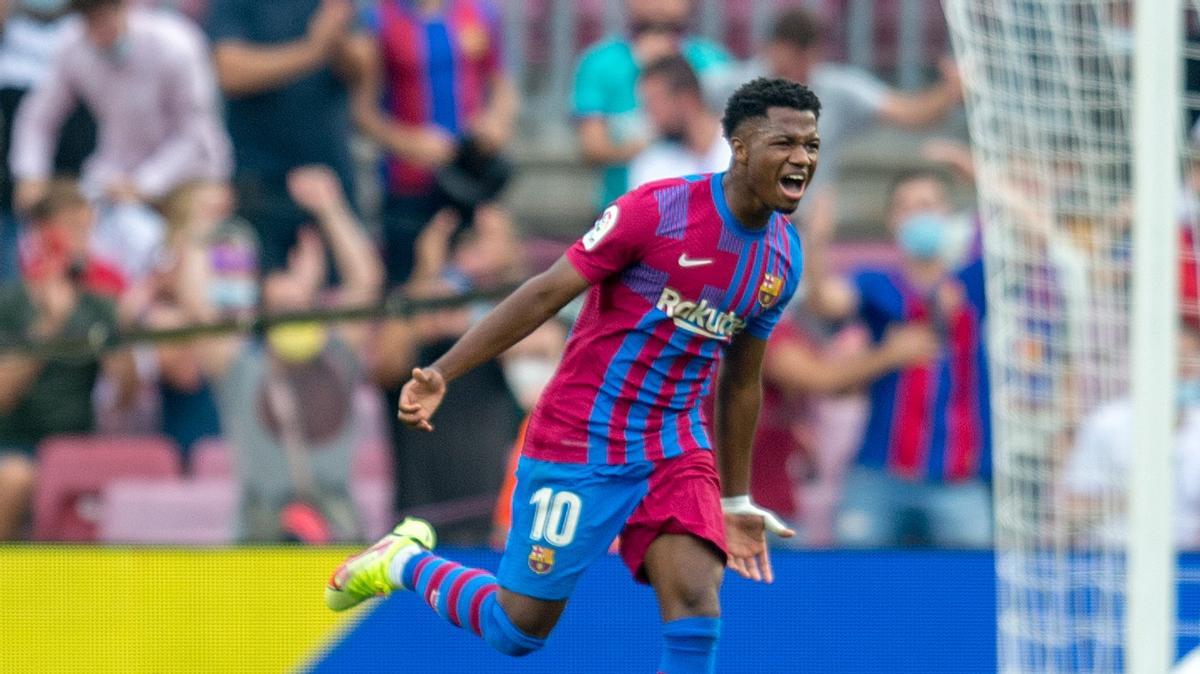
(675, 277)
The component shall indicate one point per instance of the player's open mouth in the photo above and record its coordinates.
(794, 184)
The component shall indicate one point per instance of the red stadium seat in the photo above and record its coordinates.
(74, 470)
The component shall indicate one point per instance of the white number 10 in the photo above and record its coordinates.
(556, 517)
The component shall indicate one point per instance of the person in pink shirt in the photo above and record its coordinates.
(146, 76)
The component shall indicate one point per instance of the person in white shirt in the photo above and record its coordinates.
(147, 78)
(1092, 486)
(689, 139)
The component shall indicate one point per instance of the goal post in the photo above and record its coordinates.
(1074, 109)
(1157, 102)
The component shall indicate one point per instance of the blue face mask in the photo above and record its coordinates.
(1188, 393)
(922, 236)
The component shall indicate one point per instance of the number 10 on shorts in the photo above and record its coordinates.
(556, 517)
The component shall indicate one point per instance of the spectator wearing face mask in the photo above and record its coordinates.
(605, 107)
(688, 138)
(923, 468)
(56, 298)
(146, 76)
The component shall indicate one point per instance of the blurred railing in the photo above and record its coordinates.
(898, 39)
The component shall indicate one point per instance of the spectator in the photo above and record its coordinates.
(32, 33)
(852, 100)
(41, 396)
(197, 214)
(145, 75)
(449, 111)
(286, 401)
(288, 105)
(1094, 475)
(688, 138)
(428, 469)
(605, 105)
(925, 453)
(795, 372)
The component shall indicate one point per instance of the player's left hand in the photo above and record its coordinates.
(745, 534)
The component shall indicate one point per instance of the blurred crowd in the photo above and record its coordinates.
(173, 164)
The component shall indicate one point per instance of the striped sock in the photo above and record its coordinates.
(465, 597)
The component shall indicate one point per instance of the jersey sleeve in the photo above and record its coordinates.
(589, 97)
(761, 325)
(620, 237)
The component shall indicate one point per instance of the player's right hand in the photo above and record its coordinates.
(420, 398)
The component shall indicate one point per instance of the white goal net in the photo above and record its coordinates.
(1050, 96)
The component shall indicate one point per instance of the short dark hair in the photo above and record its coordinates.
(679, 75)
(755, 97)
(797, 27)
(913, 175)
(88, 6)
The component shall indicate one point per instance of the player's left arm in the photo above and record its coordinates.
(739, 397)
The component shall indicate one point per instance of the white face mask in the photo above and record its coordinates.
(527, 376)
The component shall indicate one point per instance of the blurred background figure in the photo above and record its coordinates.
(62, 293)
(604, 105)
(790, 469)
(687, 135)
(146, 77)
(432, 91)
(32, 31)
(1097, 467)
(286, 398)
(429, 470)
(852, 99)
(925, 457)
(274, 60)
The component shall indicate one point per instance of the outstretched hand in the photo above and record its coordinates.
(420, 398)
(745, 534)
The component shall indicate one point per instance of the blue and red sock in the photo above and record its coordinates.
(465, 597)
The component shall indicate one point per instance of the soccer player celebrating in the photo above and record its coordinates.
(683, 274)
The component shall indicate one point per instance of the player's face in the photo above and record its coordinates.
(780, 156)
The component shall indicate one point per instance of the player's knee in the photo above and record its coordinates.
(502, 634)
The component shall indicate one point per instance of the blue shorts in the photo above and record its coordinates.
(566, 515)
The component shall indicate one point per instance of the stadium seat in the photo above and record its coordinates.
(74, 470)
(187, 512)
(212, 458)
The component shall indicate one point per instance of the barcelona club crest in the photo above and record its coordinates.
(768, 292)
(541, 560)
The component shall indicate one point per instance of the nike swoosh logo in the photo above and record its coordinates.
(698, 262)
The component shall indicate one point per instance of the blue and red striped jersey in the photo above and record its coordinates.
(437, 70)
(929, 422)
(674, 277)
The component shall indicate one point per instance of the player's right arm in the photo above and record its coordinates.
(618, 239)
(535, 302)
